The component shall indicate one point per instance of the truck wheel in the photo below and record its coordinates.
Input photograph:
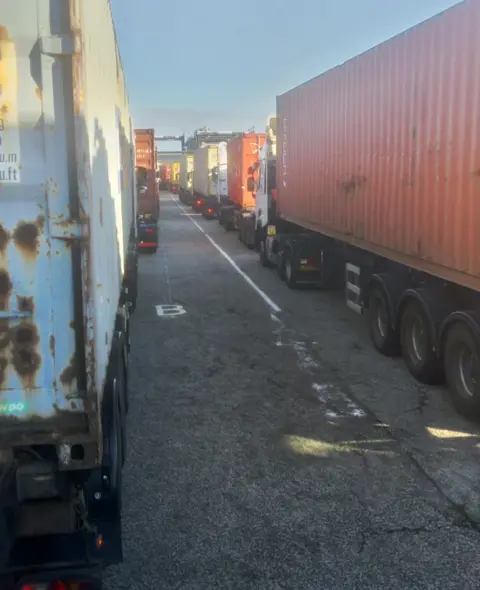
(418, 345)
(240, 234)
(123, 408)
(250, 238)
(262, 250)
(280, 266)
(290, 273)
(113, 460)
(462, 369)
(382, 333)
(133, 303)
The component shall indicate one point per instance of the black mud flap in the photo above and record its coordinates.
(81, 556)
(112, 543)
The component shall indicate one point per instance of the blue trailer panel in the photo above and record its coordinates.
(67, 211)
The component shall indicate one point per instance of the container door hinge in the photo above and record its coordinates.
(69, 230)
(57, 45)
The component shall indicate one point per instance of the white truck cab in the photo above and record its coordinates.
(265, 172)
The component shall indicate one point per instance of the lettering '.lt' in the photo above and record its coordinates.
(9, 132)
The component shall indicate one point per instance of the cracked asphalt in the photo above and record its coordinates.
(278, 450)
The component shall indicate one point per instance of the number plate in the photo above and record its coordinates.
(271, 230)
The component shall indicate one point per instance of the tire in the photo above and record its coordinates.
(113, 461)
(250, 239)
(240, 234)
(290, 273)
(380, 324)
(280, 266)
(462, 358)
(417, 343)
(262, 252)
(133, 304)
(123, 407)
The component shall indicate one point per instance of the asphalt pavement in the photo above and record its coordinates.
(269, 446)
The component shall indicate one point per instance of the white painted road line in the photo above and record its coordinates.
(273, 306)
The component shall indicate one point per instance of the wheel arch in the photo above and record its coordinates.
(471, 319)
(383, 282)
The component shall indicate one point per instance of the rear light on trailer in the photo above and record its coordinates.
(210, 211)
(56, 585)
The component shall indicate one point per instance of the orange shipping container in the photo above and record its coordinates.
(383, 152)
(242, 152)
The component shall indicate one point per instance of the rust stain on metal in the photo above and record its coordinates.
(4, 238)
(3, 370)
(5, 289)
(77, 59)
(52, 345)
(26, 236)
(41, 222)
(25, 358)
(353, 183)
(25, 304)
(25, 335)
(69, 374)
(4, 334)
(26, 363)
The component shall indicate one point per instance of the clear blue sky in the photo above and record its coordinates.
(221, 63)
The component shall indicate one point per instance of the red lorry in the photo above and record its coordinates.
(238, 212)
(378, 182)
(148, 205)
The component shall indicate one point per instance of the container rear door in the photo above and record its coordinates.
(222, 188)
(212, 162)
(38, 362)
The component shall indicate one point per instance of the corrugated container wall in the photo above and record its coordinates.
(243, 152)
(384, 151)
(204, 160)
(222, 171)
(186, 172)
(145, 157)
(66, 188)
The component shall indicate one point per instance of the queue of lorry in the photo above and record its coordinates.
(366, 178)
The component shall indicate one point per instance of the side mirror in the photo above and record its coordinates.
(250, 184)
